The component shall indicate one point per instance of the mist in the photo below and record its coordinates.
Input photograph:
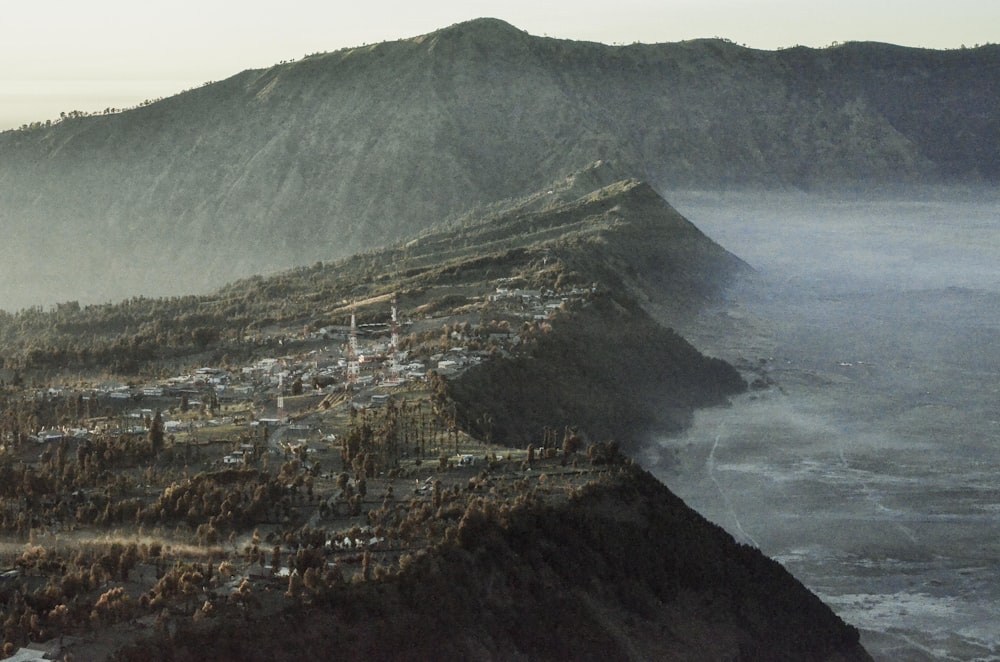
(61, 266)
(868, 465)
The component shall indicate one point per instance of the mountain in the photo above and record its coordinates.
(545, 553)
(345, 151)
(608, 368)
(620, 569)
(595, 359)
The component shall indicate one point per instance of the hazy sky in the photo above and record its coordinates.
(63, 55)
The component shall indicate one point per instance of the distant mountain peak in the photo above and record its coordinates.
(341, 153)
(485, 24)
(482, 32)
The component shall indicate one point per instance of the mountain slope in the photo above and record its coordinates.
(621, 569)
(594, 359)
(609, 369)
(337, 153)
(547, 555)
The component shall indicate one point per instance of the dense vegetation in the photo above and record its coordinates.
(499, 545)
(620, 570)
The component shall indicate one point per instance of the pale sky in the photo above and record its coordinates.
(63, 55)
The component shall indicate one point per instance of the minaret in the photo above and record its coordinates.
(281, 397)
(352, 354)
(394, 368)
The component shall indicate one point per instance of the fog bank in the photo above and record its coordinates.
(868, 467)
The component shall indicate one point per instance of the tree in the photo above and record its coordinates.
(366, 565)
(156, 433)
(275, 559)
(294, 591)
(111, 606)
(571, 441)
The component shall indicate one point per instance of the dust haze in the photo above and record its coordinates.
(868, 466)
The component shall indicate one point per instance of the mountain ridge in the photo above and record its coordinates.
(568, 235)
(544, 553)
(596, 359)
(339, 152)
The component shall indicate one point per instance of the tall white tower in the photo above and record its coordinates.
(394, 367)
(353, 369)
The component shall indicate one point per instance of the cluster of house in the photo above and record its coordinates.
(376, 362)
(533, 304)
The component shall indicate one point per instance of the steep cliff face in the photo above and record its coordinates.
(337, 153)
(607, 369)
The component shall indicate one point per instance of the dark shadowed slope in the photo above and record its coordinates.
(619, 570)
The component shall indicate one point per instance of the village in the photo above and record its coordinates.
(357, 366)
(338, 438)
(331, 451)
